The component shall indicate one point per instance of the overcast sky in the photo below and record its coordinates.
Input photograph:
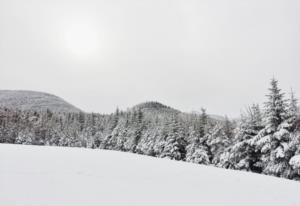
(188, 54)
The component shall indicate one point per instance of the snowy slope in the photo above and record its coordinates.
(31, 100)
(51, 176)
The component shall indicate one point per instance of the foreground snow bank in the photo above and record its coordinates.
(52, 176)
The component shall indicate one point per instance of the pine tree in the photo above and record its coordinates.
(241, 154)
(81, 120)
(197, 152)
(293, 109)
(24, 137)
(272, 142)
(294, 162)
(275, 107)
(114, 120)
(203, 122)
(228, 128)
(175, 144)
(139, 127)
(255, 118)
(135, 130)
(217, 141)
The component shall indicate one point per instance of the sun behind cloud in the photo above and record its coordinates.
(82, 39)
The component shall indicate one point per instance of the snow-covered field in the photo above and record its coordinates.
(52, 176)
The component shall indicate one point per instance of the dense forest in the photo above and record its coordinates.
(264, 140)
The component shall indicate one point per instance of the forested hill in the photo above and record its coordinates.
(32, 100)
(153, 106)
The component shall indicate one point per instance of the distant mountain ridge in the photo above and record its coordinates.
(36, 101)
(153, 106)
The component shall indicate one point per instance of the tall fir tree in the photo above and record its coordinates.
(275, 107)
(196, 151)
(241, 155)
(175, 143)
(273, 141)
(293, 109)
(203, 122)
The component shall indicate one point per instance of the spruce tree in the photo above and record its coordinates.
(197, 152)
(255, 118)
(275, 107)
(203, 122)
(293, 109)
(175, 144)
(228, 128)
(241, 154)
(273, 141)
(217, 141)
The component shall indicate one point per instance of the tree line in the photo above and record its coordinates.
(262, 141)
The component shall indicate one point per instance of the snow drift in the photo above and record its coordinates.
(48, 176)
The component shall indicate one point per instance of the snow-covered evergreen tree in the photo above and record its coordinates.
(203, 123)
(24, 137)
(175, 144)
(293, 108)
(272, 142)
(217, 142)
(197, 152)
(275, 107)
(241, 154)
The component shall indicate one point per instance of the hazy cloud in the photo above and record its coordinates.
(187, 54)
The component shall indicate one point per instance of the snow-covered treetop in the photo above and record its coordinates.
(275, 107)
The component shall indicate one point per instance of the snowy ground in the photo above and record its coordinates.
(52, 176)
